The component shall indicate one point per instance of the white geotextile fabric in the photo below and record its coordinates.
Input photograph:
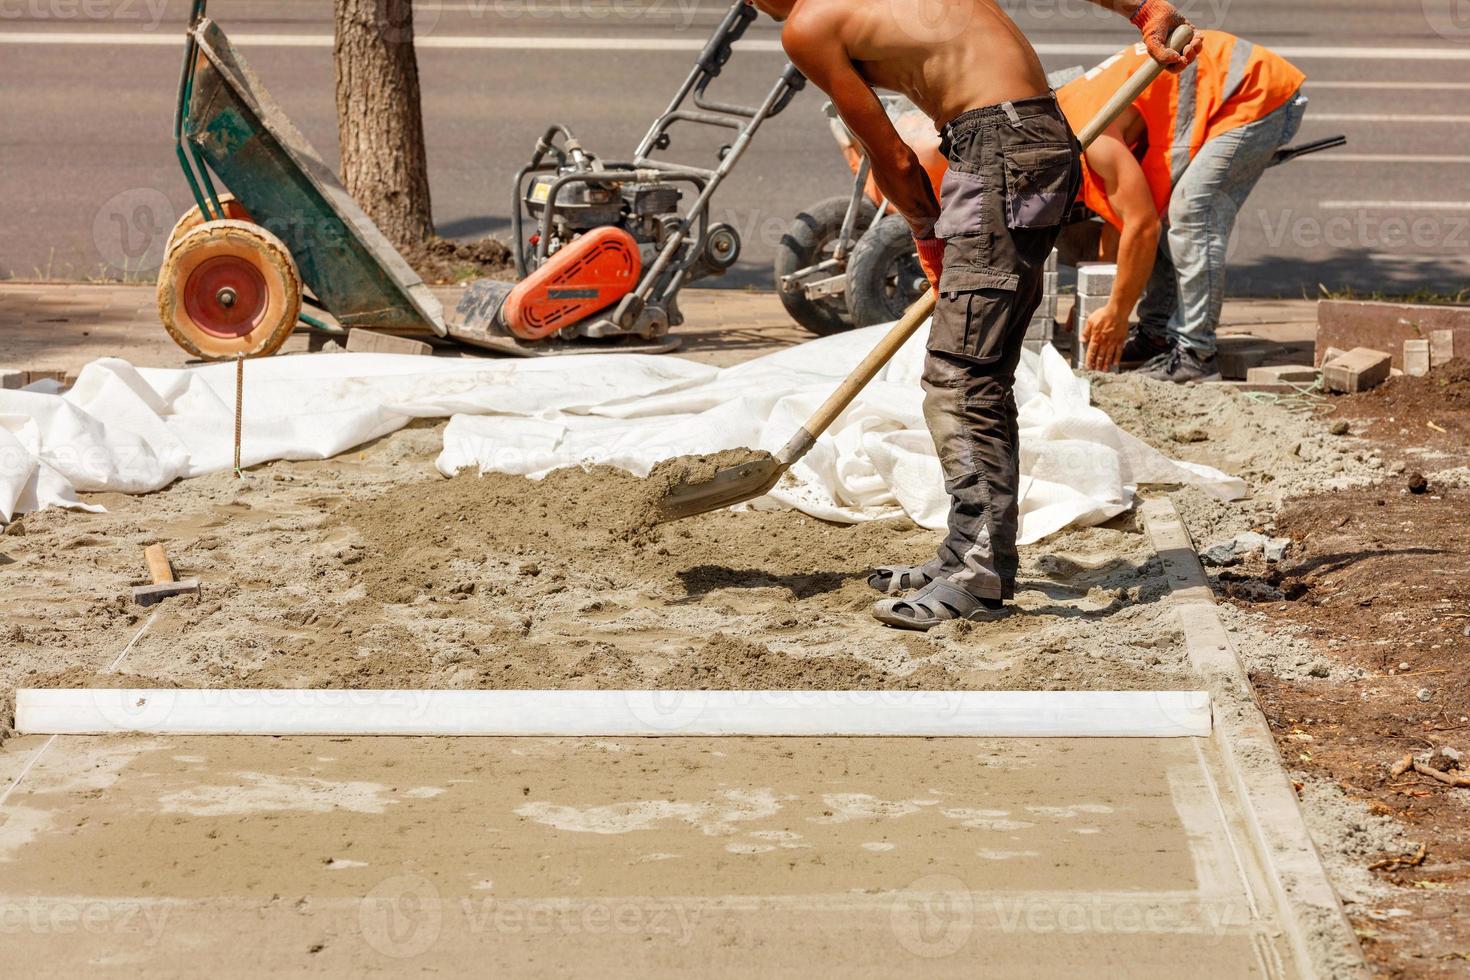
(134, 430)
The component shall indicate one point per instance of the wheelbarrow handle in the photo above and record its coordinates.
(923, 307)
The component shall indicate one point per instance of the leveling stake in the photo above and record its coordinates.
(239, 407)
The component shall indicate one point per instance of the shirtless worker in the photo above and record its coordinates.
(1014, 171)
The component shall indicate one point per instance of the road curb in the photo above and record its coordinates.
(1321, 938)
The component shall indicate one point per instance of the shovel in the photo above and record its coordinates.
(755, 478)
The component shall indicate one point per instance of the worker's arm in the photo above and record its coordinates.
(1128, 192)
(814, 48)
(1156, 20)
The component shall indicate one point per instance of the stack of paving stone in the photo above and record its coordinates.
(1043, 327)
(1094, 288)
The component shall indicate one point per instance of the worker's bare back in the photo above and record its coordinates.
(948, 56)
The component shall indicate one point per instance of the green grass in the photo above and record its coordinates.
(1422, 296)
(104, 274)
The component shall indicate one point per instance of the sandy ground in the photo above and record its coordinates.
(375, 572)
(372, 571)
(664, 857)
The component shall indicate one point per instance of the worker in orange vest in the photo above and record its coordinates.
(1188, 151)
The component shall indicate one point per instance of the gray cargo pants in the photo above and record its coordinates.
(1014, 170)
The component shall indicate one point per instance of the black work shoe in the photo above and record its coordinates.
(1141, 348)
(1183, 366)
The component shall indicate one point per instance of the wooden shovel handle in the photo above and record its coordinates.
(1132, 89)
(920, 311)
(159, 569)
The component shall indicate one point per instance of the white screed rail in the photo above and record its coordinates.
(1030, 714)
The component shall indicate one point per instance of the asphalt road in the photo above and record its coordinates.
(89, 185)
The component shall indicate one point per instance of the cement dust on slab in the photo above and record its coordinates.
(666, 857)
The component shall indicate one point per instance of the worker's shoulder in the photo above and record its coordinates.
(818, 22)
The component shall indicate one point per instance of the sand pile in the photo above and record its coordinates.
(372, 572)
(1279, 453)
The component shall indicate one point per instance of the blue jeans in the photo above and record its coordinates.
(1186, 293)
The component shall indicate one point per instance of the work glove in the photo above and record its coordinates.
(931, 258)
(1156, 20)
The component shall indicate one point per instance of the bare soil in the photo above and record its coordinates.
(1378, 582)
(371, 571)
(443, 261)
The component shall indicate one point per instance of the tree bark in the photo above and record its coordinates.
(380, 123)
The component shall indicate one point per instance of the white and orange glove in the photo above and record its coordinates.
(931, 258)
(1156, 20)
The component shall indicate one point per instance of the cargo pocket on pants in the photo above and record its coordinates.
(962, 200)
(1038, 184)
(972, 311)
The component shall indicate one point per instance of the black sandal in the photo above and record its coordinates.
(900, 579)
(938, 602)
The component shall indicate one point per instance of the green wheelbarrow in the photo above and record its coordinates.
(232, 279)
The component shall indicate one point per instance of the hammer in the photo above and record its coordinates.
(164, 586)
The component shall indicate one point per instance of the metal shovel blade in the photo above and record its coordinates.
(729, 486)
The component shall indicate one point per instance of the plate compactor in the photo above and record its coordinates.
(610, 248)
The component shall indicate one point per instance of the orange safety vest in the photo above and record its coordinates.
(1233, 83)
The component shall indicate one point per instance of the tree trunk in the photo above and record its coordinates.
(380, 121)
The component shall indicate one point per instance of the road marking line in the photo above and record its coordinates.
(1397, 205)
(1313, 84)
(1331, 157)
(1391, 117)
(1386, 258)
(594, 43)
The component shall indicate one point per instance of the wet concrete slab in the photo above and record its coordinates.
(650, 857)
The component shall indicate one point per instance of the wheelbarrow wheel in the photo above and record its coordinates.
(193, 218)
(810, 240)
(227, 289)
(883, 276)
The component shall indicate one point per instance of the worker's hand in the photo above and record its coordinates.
(931, 258)
(1156, 20)
(1103, 336)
